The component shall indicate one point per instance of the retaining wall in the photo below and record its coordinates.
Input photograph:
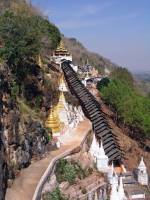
(49, 170)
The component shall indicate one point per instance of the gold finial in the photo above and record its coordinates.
(61, 103)
(61, 48)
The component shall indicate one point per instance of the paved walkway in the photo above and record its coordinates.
(25, 184)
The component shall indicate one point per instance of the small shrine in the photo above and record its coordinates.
(142, 173)
(62, 109)
(61, 53)
(102, 159)
(99, 156)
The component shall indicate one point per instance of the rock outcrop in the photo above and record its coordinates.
(20, 139)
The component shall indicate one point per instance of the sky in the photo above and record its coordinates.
(116, 29)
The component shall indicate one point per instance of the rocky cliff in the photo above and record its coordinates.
(21, 137)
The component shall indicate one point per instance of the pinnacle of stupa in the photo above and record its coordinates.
(62, 101)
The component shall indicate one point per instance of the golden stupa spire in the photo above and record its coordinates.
(53, 122)
(61, 47)
(61, 102)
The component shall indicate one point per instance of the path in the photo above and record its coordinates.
(25, 184)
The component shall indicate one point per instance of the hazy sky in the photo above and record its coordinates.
(116, 29)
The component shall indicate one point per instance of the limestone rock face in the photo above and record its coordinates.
(3, 164)
(3, 170)
(21, 147)
(20, 139)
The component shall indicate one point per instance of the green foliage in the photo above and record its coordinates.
(26, 110)
(49, 138)
(69, 171)
(132, 109)
(123, 75)
(14, 90)
(80, 172)
(38, 101)
(103, 83)
(55, 195)
(24, 37)
(21, 42)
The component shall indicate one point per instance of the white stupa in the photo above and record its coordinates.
(114, 195)
(121, 190)
(142, 173)
(110, 173)
(102, 160)
(61, 108)
(94, 149)
(62, 85)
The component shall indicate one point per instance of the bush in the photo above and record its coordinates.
(70, 173)
(103, 83)
(38, 101)
(23, 38)
(55, 195)
(65, 171)
(14, 90)
(60, 170)
(131, 108)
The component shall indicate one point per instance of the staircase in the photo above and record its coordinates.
(92, 110)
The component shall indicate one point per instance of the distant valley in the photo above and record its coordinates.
(144, 76)
(142, 81)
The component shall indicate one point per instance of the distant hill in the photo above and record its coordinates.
(142, 81)
(144, 76)
(81, 56)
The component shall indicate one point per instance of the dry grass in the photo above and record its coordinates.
(27, 111)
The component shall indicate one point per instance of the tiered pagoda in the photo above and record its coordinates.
(61, 53)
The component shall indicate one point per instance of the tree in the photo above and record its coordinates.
(70, 173)
(55, 195)
(103, 83)
(131, 108)
(23, 39)
(123, 75)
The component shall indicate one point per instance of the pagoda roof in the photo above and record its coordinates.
(61, 49)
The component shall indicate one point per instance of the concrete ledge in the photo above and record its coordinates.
(49, 170)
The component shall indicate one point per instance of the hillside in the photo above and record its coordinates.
(26, 91)
(131, 108)
(81, 56)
